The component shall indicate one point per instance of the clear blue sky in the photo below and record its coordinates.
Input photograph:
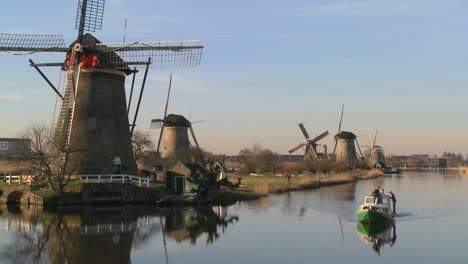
(399, 66)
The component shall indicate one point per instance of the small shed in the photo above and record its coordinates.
(176, 176)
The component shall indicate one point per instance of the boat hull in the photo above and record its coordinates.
(370, 230)
(372, 216)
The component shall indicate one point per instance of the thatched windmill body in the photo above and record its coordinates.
(346, 150)
(94, 114)
(311, 145)
(176, 136)
(345, 146)
(377, 157)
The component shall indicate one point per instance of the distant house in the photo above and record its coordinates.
(438, 162)
(155, 169)
(176, 176)
(10, 146)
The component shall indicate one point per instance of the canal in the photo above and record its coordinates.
(316, 226)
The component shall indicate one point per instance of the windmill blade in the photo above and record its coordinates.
(375, 137)
(21, 44)
(164, 54)
(168, 94)
(156, 123)
(165, 112)
(304, 131)
(194, 138)
(199, 121)
(339, 129)
(362, 156)
(319, 137)
(341, 119)
(296, 148)
(89, 15)
(310, 151)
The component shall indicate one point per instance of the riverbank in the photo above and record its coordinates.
(463, 170)
(257, 186)
(251, 187)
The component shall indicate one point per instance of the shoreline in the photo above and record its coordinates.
(306, 182)
(250, 188)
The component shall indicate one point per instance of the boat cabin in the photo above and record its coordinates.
(370, 202)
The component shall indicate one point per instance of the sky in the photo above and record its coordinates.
(398, 66)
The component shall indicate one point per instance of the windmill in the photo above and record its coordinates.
(345, 142)
(94, 112)
(176, 140)
(176, 127)
(311, 151)
(377, 157)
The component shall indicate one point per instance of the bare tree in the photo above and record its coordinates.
(54, 162)
(141, 142)
(259, 160)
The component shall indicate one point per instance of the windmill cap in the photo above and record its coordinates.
(105, 59)
(346, 135)
(173, 120)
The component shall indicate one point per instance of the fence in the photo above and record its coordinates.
(20, 179)
(93, 178)
(117, 178)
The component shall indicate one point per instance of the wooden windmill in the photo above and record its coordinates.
(311, 150)
(94, 114)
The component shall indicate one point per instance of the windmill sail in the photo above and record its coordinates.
(31, 43)
(89, 15)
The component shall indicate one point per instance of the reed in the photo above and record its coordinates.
(265, 184)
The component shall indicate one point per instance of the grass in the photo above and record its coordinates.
(263, 185)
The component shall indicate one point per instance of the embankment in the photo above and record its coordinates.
(257, 186)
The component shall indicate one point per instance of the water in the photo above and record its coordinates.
(317, 226)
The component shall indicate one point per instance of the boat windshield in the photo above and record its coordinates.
(369, 199)
(385, 200)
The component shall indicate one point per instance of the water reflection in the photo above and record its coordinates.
(102, 235)
(377, 235)
(190, 224)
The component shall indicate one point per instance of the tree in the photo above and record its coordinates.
(54, 162)
(259, 160)
(141, 142)
(207, 181)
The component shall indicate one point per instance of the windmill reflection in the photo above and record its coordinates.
(190, 224)
(102, 235)
(377, 235)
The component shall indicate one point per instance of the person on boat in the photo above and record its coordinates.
(376, 194)
(382, 192)
(393, 199)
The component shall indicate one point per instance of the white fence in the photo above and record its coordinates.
(117, 178)
(93, 178)
(20, 179)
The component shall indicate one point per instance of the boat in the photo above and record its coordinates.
(370, 212)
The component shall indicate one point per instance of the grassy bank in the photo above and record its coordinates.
(263, 185)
